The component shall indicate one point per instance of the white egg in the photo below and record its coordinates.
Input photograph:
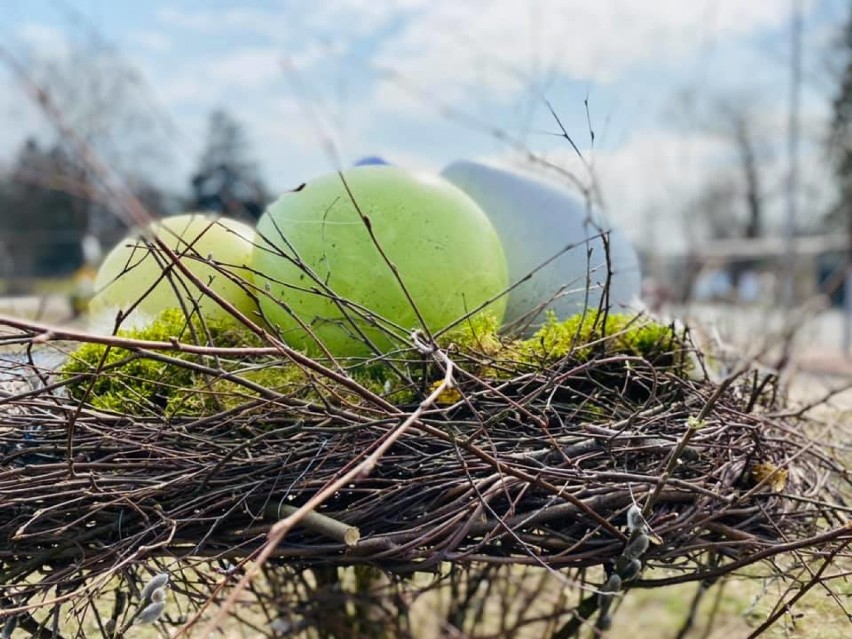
(536, 221)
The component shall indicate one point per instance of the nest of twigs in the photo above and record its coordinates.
(479, 468)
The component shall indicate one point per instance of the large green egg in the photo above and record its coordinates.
(325, 275)
(215, 249)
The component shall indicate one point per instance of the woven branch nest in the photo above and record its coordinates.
(537, 466)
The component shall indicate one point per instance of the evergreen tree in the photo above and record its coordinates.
(227, 180)
(44, 214)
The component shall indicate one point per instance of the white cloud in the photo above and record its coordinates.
(289, 143)
(218, 21)
(340, 19)
(250, 67)
(502, 45)
(651, 179)
(17, 107)
(43, 40)
(204, 82)
(154, 41)
(477, 50)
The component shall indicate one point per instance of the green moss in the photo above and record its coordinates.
(478, 334)
(122, 380)
(476, 347)
(587, 335)
(130, 382)
(209, 395)
(579, 337)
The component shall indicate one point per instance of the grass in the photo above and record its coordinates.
(742, 604)
(730, 609)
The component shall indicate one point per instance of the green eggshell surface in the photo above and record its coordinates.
(445, 249)
(131, 268)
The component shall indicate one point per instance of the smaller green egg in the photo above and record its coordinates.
(136, 274)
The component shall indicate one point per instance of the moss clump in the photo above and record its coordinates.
(584, 336)
(478, 334)
(480, 351)
(122, 380)
(579, 338)
(131, 382)
(209, 395)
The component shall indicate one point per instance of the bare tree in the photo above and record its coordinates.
(840, 138)
(743, 137)
(738, 121)
(712, 213)
(733, 202)
(99, 95)
(52, 198)
(841, 149)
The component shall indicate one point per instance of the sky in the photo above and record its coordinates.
(318, 84)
